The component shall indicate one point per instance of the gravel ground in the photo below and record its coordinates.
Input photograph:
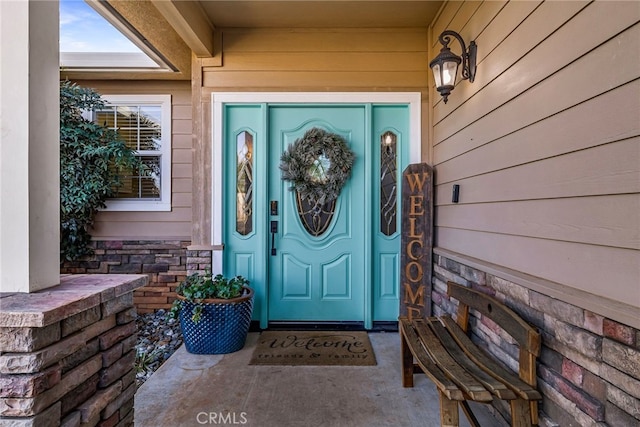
(158, 338)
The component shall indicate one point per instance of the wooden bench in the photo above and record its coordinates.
(440, 348)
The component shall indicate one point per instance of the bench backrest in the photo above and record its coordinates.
(527, 337)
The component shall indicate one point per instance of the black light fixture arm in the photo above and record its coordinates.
(468, 56)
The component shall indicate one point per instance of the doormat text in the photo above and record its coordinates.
(313, 348)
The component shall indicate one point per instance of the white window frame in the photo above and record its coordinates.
(164, 203)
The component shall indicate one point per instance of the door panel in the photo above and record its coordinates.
(321, 277)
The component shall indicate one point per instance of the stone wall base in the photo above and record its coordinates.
(589, 369)
(163, 261)
(199, 261)
(67, 353)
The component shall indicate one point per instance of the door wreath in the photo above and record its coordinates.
(318, 165)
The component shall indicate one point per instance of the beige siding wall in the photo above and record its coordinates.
(321, 60)
(175, 224)
(545, 144)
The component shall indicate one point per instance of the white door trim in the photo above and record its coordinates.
(413, 99)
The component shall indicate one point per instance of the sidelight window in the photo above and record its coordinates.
(244, 183)
(388, 182)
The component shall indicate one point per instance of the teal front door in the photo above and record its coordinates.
(317, 272)
(344, 269)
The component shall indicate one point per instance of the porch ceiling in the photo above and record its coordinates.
(318, 14)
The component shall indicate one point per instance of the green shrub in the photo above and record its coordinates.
(92, 158)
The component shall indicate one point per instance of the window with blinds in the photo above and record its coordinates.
(144, 124)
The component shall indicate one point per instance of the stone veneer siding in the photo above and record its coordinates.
(166, 263)
(589, 368)
(199, 261)
(67, 353)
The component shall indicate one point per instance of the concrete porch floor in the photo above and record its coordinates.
(195, 390)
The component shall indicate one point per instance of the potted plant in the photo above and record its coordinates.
(214, 311)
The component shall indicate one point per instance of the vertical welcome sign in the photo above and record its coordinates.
(416, 242)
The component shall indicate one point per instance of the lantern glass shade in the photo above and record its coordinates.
(449, 73)
(437, 75)
(445, 69)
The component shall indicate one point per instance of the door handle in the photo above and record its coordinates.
(274, 230)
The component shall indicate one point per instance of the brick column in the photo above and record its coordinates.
(67, 354)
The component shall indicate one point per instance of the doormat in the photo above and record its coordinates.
(309, 348)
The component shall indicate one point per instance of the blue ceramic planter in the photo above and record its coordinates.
(223, 326)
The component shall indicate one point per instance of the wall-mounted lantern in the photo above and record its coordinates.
(445, 65)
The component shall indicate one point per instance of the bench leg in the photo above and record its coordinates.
(470, 415)
(407, 362)
(448, 412)
(534, 412)
(520, 413)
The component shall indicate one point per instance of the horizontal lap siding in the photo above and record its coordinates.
(561, 219)
(545, 144)
(321, 60)
(606, 169)
(175, 224)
